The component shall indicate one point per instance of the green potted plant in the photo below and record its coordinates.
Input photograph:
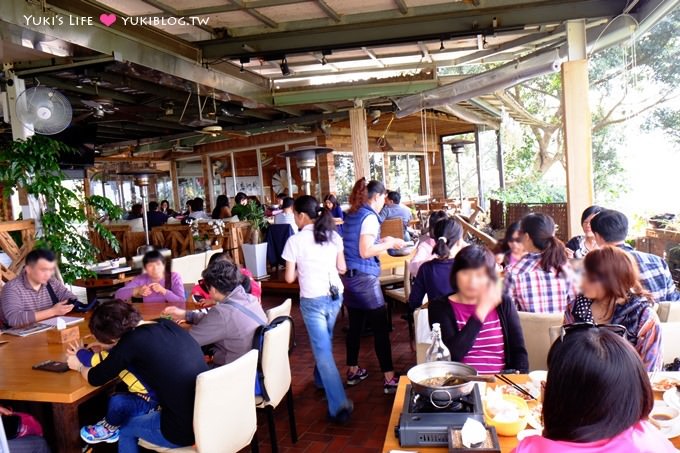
(64, 214)
(255, 253)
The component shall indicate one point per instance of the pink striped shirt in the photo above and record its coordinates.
(487, 355)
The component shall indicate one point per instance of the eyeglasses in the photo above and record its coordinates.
(618, 329)
(515, 239)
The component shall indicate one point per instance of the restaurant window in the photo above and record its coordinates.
(190, 182)
(164, 190)
(377, 166)
(344, 176)
(247, 175)
(407, 175)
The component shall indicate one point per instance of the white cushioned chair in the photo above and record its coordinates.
(423, 333)
(536, 329)
(279, 310)
(189, 267)
(669, 311)
(670, 341)
(277, 378)
(224, 411)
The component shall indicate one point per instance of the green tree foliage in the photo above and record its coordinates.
(625, 82)
(33, 165)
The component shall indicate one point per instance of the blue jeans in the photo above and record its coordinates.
(124, 406)
(319, 314)
(147, 427)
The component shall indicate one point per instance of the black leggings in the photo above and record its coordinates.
(377, 319)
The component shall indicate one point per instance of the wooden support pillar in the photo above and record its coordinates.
(577, 127)
(175, 187)
(478, 162)
(500, 161)
(207, 182)
(357, 125)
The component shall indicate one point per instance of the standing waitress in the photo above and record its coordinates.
(314, 256)
(363, 295)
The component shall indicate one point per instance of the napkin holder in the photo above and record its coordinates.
(67, 335)
(491, 445)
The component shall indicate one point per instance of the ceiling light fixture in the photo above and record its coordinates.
(375, 116)
(285, 70)
(243, 61)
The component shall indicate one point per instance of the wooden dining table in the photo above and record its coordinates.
(507, 444)
(63, 391)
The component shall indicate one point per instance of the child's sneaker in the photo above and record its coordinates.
(391, 385)
(356, 377)
(101, 432)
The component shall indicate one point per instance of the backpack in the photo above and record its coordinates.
(258, 342)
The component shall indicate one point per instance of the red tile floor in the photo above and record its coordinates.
(365, 432)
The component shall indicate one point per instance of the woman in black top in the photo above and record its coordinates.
(171, 371)
(477, 296)
(579, 246)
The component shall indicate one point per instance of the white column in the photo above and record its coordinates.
(577, 126)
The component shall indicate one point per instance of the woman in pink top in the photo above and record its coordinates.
(426, 244)
(479, 326)
(597, 397)
(156, 284)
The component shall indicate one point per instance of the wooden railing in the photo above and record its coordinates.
(479, 234)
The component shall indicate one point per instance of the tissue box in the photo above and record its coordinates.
(67, 335)
(491, 445)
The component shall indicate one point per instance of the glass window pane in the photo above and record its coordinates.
(398, 174)
(344, 176)
(377, 166)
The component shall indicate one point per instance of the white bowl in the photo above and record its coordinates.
(537, 377)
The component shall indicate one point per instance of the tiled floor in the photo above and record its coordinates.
(365, 432)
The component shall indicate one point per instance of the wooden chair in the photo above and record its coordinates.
(392, 227)
(235, 234)
(401, 294)
(106, 252)
(17, 254)
(536, 329)
(176, 238)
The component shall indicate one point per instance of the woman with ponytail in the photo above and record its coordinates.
(314, 257)
(363, 295)
(542, 281)
(433, 276)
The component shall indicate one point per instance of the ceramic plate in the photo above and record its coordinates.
(672, 398)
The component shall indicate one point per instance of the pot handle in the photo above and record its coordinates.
(437, 405)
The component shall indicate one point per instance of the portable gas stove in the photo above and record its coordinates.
(423, 425)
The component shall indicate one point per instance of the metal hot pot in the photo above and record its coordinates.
(441, 397)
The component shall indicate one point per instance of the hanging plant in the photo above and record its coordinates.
(32, 165)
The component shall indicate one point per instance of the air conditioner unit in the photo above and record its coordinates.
(182, 149)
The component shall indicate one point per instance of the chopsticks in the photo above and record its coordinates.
(516, 386)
